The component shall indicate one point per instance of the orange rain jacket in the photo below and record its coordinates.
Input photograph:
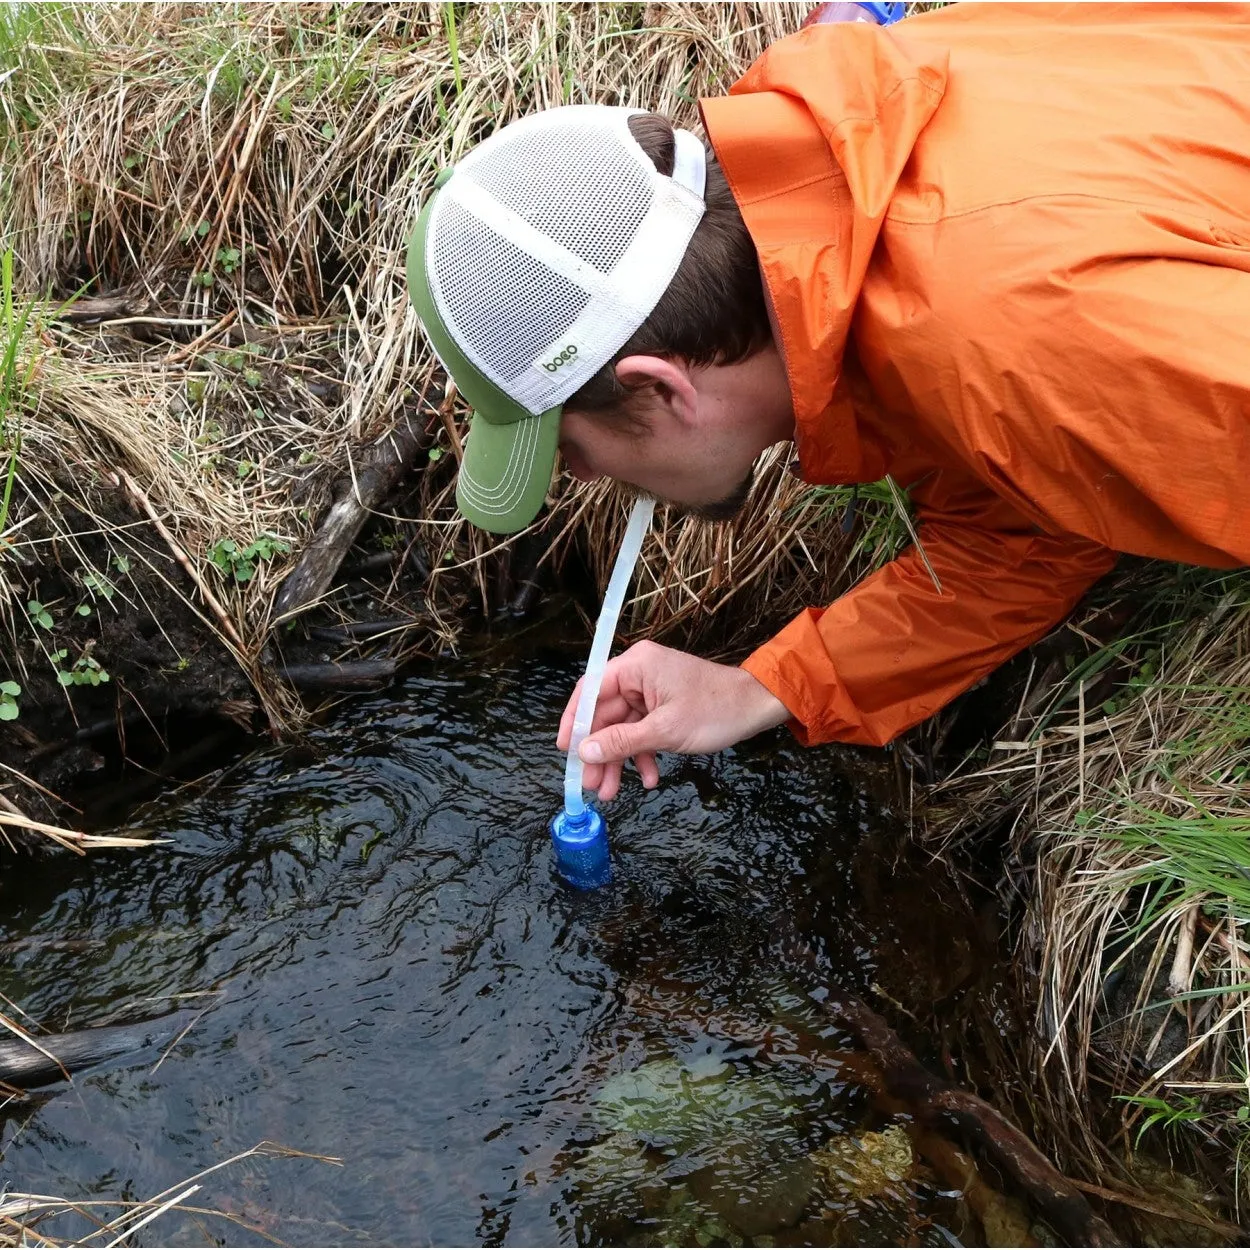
(1008, 250)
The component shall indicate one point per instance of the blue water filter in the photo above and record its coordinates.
(578, 833)
(581, 847)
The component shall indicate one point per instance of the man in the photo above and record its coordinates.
(999, 252)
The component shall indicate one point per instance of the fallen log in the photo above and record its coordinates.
(361, 631)
(54, 1056)
(355, 675)
(374, 476)
(91, 309)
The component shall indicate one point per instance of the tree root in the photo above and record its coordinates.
(931, 1099)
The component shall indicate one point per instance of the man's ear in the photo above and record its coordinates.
(669, 382)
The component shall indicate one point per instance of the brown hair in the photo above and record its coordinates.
(713, 311)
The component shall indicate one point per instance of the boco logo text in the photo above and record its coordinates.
(569, 353)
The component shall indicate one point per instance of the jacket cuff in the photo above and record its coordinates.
(783, 666)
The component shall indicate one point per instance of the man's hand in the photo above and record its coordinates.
(656, 699)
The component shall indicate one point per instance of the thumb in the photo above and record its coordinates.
(621, 741)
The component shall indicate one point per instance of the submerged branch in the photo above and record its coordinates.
(903, 1077)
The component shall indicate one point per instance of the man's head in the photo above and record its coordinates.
(587, 280)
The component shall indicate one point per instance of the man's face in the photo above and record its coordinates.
(700, 432)
(681, 467)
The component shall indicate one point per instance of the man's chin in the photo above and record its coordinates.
(721, 510)
(727, 508)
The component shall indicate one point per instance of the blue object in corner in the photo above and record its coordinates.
(886, 14)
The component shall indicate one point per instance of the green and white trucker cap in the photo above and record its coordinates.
(531, 265)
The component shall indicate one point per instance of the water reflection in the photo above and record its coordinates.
(403, 982)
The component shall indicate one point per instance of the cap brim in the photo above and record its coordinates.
(506, 471)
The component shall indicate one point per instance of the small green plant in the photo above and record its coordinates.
(228, 258)
(9, 690)
(212, 432)
(1172, 1117)
(252, 378)
(100, 585)
(240, 563)
(39, 614)
(877, 514)
(85, 671)
(197, 231)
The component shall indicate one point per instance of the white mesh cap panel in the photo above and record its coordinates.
(509, 320)
(549, 174)
(550, 245)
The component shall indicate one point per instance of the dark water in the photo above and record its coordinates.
(400, 981)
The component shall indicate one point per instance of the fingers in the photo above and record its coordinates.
(610, 786)
(621, 708)
(617, 743)
(648, 769)
(610, 707)
(592, 776)
(605, 779)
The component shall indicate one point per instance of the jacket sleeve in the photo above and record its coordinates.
(895, 649)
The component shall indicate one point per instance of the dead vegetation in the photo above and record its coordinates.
(1123, 783)
(47, 1221)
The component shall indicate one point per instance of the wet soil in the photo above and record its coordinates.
(125, 689)
(165, 696)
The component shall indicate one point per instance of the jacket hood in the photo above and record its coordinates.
(812, 159)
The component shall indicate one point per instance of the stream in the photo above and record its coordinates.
(387, 971)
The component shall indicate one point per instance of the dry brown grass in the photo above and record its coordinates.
(248, 176)
(1128, 786)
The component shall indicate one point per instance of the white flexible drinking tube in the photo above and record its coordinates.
(605, 628)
